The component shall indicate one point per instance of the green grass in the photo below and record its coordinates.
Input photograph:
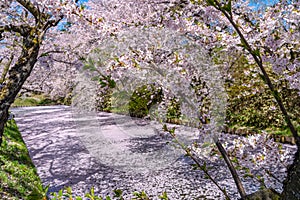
(25, 102)
(35, 100)
(284, 131)
(18, 175)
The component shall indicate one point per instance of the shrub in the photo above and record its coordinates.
(143, 99)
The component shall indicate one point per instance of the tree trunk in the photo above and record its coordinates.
(291, 190)
(6, 68)
(32, 37)
(16, 78)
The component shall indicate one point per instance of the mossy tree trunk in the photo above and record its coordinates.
(32, 37)
(18, 74)
(6, 68)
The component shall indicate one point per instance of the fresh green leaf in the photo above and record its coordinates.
(256, 52)
(118, 193)
(227, 6)
(210, 2)
(164, 196)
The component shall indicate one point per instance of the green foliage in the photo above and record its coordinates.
(143, 99)
(107, 81)
(68, 99)
(119, 102)
(164, 196)
(210, 2)
(140, 196)
(90, 65)
(254, 111)
(173, 111)
(105, 85)
(118, 194)
(67, 194)
(141, 102)
(227, 6)
(252, 105)
(91, 195)
(18, 176)
(38, 100)
(104, 100)
(25, 102)
(259, 111)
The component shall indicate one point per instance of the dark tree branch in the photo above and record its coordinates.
(234, 174)
(196, 160)
(50, 52)
(23, 30)
(52, 23)
(31, 8)
(63, 61)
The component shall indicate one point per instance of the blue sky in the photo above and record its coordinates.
(260, 3)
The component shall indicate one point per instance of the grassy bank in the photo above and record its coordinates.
(18, 176)
(39, 100)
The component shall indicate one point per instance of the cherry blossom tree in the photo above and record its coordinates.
(270, 41)
(23, 31)
(267, 37)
